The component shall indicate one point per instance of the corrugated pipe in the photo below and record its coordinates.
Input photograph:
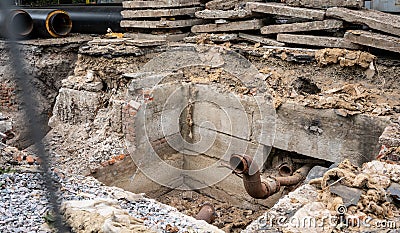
(253, 184)
(206, 213)
(50, 22)
(15, 24)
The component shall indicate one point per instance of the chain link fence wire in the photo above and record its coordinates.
(36, 131)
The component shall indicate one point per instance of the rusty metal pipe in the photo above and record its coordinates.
(206, 213)
(253, 184)
(299, 175)
(15, 24)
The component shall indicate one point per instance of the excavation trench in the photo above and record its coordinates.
(166, 124)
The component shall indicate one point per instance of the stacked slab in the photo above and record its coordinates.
(228, 20)
(160, 20)
(319, 23)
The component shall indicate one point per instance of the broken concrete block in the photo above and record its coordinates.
(300, 27)
(159, 4)
(260, 39)
(323, 4)
(220, 14)
(282, 9)
(231, 26)
(375, 40)
(221, 4)
(161, 37)
(145, 42)
(161, 23)
(321, 41)
(131, 14)
(391, 136)
(212, 37)
(381, 21)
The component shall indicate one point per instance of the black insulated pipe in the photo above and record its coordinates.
(94, 19)
(50, 22)
(15, 24)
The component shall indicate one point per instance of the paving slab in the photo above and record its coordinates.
(375, 40)
(223, 37)
(221, 14)
(378, 20)
(282, 9)
(300, 27)
(159, 4)
(131, 14)
(160, 37)
(323, 4)
(221, 4)
(231, 26)
(161, 23)
(321, 41)
(260, 39)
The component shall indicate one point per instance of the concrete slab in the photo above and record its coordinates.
(223, 37)
(375, 40)
(159, 4)
(145, 43)
(260, 39)
(220, 14)
(131, 14)
(161, 37)
(282, 9)
(321, 133)
(323, 4)
(301, 27)
(161, 24)
(321, 41)
(378, 20)
(231, 26)
(221, 4)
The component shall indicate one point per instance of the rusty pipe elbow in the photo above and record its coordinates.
(206, 213)
(299, 175)
(252, 183)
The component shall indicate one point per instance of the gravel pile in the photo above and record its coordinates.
(25, 208)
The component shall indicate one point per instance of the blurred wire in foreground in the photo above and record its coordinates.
(32, 118)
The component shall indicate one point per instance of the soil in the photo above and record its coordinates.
(229, 218)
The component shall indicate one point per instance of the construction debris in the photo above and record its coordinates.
(229, 26)
(282, 9)
(300, 27)
(381, 21)
(372, 39)
(323, 4)
(321, 41)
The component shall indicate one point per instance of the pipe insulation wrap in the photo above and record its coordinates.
(50, 22)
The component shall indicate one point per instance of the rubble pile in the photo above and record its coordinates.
(346, 198)
(155, 22)
(336, 24)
